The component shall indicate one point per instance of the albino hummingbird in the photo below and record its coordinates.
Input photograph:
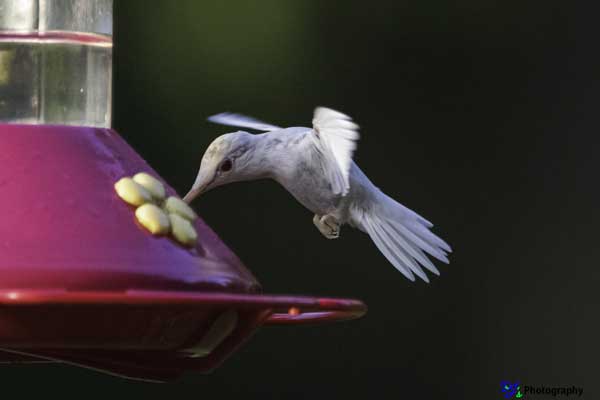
(315, 165)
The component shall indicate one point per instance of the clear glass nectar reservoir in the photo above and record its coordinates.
(56, 62)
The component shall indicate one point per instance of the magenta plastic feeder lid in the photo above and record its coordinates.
(67, 228)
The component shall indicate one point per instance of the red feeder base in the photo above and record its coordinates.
(147, 335)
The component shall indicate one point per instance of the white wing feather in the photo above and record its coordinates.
(337, 135)
(241, 121)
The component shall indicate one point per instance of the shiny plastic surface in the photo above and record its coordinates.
(68, 230)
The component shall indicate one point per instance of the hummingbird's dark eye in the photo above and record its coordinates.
(226, 166)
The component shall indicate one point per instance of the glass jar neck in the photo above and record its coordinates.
(56, 62)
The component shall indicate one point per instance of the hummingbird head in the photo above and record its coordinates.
(223, 162)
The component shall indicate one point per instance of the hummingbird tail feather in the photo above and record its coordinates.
(404, 237)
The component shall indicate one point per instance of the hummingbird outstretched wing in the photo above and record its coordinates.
(336, 136)
(242, 121)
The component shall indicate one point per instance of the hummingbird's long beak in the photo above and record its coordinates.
(201, 185)
(193, 193)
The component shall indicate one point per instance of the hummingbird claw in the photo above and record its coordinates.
(327, 225)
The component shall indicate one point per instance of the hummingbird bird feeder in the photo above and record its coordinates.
(101, 264)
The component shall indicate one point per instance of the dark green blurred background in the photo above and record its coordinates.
(481, 115)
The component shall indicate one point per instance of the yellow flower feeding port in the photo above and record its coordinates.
(159, 215)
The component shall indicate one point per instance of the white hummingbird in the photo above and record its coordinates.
(315, 165)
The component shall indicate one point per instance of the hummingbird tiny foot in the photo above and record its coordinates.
(327, 225)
